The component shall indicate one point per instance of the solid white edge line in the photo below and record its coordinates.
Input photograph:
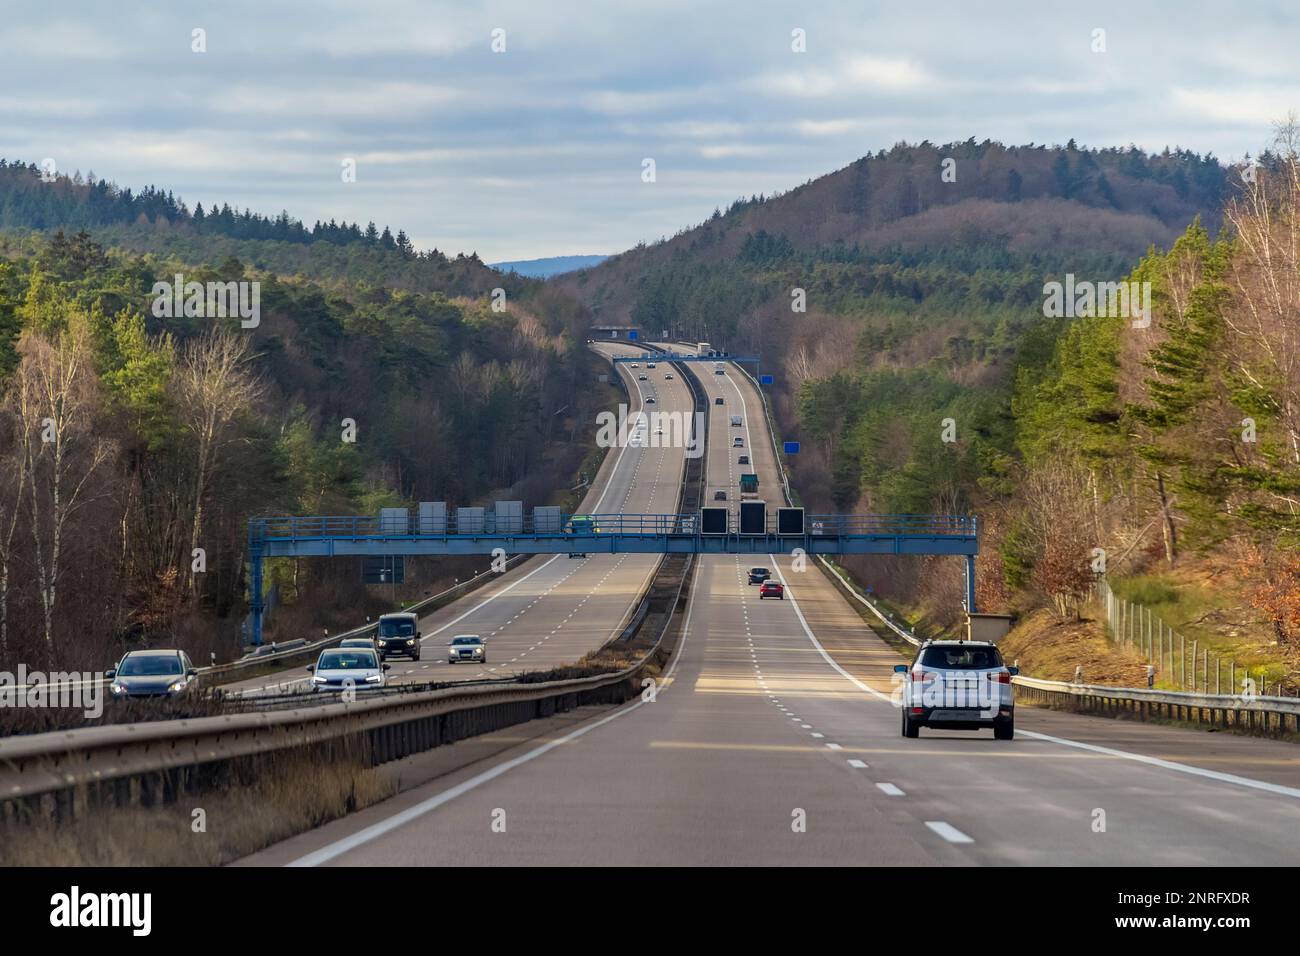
(375, 830)
(817, 644)
(1169, 765)
(1109, 751)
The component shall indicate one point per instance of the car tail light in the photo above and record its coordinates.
(1001, 677)
(921, 677)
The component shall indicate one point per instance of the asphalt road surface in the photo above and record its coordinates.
(773, 740)
(551, 610)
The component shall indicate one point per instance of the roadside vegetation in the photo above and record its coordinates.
(129, 442)
(1082, 443)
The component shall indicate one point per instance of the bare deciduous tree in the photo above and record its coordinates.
(213, 386)
(55, 397)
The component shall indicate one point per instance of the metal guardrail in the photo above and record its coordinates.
(398, 724)
(849, 589)
(395, 722)
(1261, 713)
(1265, 714)
(60, 761)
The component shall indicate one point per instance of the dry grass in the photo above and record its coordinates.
(291, 796)
(1050, 649)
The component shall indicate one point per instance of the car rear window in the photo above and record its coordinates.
(962, 658)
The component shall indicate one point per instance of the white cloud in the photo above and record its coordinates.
(342, 99)
(890, 73)
(1255, 108)
(727, 150)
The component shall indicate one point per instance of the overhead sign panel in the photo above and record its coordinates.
(789, 521)
(713, 521)
(753, 517)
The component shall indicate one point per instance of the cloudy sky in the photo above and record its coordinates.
(538, 150)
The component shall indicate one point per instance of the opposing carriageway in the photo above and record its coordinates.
(551, 610)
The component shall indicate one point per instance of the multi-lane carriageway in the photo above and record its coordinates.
(776, 712)
(553, 609)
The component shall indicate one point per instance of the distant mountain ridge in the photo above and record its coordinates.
(549, 266)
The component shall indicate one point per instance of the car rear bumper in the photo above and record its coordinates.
(945, 718)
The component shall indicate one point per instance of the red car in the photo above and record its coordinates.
(771, 589)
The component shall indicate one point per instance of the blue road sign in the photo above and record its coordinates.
(765, 380)
(631, 335)
(792, 448)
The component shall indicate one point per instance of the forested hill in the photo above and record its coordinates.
(152, 220)
(373, 375)
(899, 303)
(976, 205)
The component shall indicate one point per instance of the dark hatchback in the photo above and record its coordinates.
(759, 575)
(161, 673)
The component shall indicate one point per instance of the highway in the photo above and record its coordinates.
(772, 740)
(551, 610)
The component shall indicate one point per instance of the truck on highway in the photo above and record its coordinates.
(583, 525)
(704, 348)
(749, 484)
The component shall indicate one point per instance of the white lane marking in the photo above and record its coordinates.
(488, 601)
(817, 644)
(948, 831)
(375, 830)
(890, 790)
(1169, 765)
(817, 735)
(834, 747)
(857, 764)
(1109, 751)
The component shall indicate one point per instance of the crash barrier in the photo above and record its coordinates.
(1257, 714)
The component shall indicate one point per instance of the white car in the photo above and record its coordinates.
(738, 442)
(466, 647)
(343, 668)
(668, 377)
(958, 685)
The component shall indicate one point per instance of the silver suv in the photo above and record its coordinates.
(958, 685)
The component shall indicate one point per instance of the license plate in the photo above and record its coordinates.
(956, 715)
